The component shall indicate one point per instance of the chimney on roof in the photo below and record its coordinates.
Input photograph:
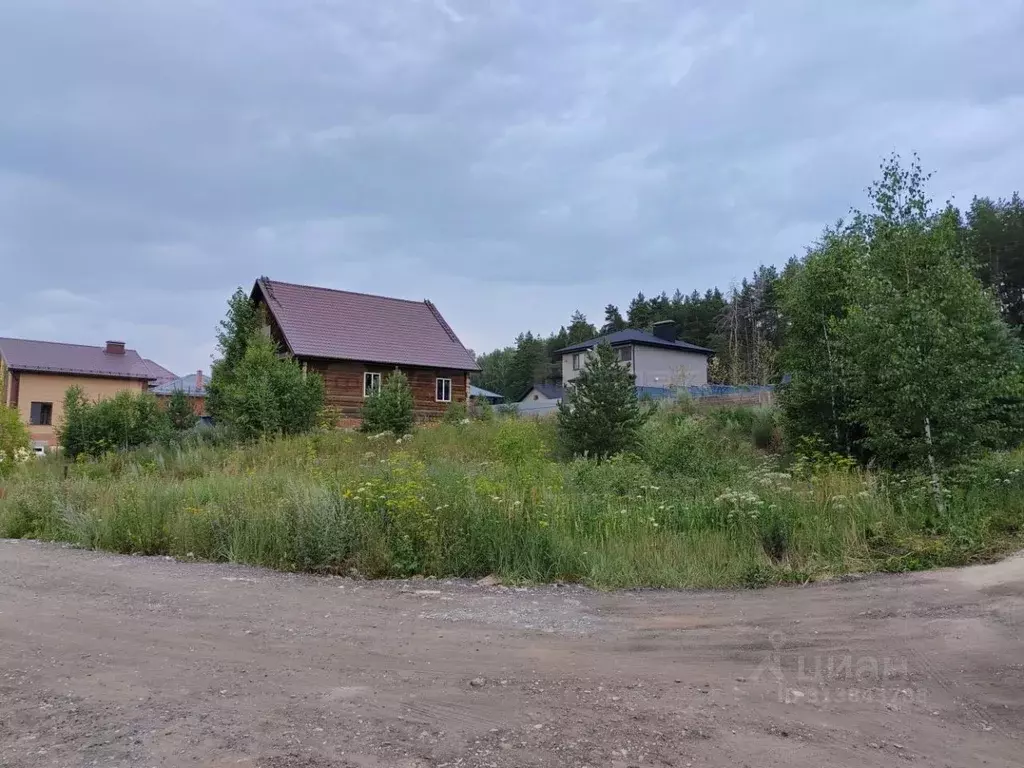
(199, 380)
(114, 348)
(665, 330)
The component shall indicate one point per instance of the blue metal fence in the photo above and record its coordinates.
(706, 391)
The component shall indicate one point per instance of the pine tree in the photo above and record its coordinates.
(180, 412)
(613, 320)
(600, 414)
(639, 313)
(390, 409)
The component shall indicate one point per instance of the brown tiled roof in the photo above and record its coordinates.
(55, 357)
(342, 325)
(160, 374)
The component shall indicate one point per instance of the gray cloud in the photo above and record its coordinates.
(511, 159)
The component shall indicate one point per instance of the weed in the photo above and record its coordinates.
(697, 506)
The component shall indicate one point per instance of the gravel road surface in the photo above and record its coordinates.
(137, 661)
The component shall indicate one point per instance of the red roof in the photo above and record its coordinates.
(342, 325)
(77, 359)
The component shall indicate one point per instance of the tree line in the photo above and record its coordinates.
(746, 325)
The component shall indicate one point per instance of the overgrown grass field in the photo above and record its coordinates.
(708, 501)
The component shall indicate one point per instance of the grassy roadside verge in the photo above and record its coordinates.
(700, 506)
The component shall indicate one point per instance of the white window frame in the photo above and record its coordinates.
(374, 378)
(439, 386)
(629, 354)
(576, 361)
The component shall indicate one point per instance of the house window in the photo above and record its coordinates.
(41, 414)
(625, 354)
(444, 390)
(371, 383)
(576, 361)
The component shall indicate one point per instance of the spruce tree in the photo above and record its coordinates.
(600, 414)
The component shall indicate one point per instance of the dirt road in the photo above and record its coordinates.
(129, 661)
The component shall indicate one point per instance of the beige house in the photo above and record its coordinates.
(657, 359)
(34, 375)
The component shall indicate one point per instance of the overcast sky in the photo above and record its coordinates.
(512, 160)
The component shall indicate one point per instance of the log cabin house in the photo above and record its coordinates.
(354, 340)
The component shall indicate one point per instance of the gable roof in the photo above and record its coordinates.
(342, 325)
(475, 391)
(73, 359)
(160, 374)
(550, 391)
(186, 384)
(633, 336)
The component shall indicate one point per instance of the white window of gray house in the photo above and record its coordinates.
(576, 361)
(371, 383)
(41, 414)
(625, 354)
(444, 390)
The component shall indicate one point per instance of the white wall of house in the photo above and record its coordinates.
(626, 353)
(661, 367)
(652, 366)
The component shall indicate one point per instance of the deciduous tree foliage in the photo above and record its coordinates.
(118, 423)
(254, 388)
(242, 322)
(897, 351)
(745, 325)
(14, 438)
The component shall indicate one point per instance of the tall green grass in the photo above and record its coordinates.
(702, 504)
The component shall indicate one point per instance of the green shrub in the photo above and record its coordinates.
(329, 417)
(390, 409)
(14, 440)
(678, 445)
(124, 421)
(519, 442)
(268, 394)
(180, 412)
(253, 388)
(482, 409)
(455, 413)
(764, 429)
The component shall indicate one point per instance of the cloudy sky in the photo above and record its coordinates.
(512, 160)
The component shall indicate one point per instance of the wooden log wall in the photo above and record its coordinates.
(343, 385)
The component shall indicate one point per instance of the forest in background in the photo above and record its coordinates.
(744, 324)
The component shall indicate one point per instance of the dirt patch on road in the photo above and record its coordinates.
(129, 661)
